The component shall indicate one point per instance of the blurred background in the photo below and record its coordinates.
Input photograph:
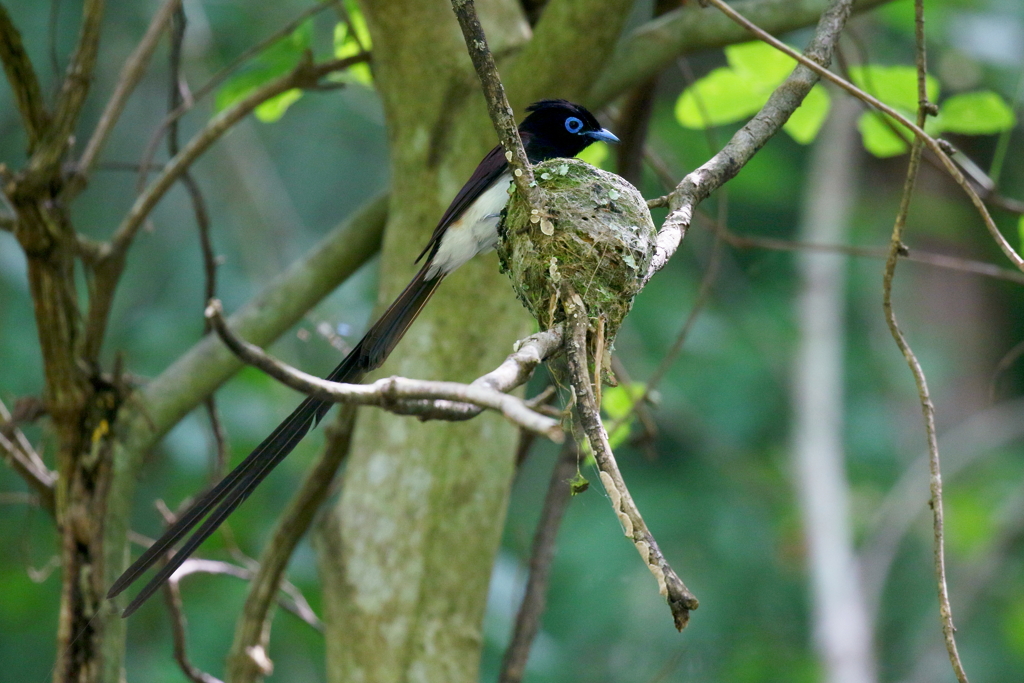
(716, 470)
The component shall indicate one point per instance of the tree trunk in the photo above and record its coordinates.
(407, 556)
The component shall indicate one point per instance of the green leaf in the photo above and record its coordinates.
(894, 85)
(595, 154)
(349, 43)
(274, 108)
(878, 138)
(732, 93)
(1020, 231)
(806, 121)
(974, 113)
(760, 62)
(274, 62)
(723, 96)
(617, 404)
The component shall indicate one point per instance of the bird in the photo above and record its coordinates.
(553, 128)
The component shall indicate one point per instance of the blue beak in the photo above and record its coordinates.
(604, 135)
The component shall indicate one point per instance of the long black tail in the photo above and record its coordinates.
(216, 504)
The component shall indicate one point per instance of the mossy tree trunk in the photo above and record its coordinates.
(407, 554)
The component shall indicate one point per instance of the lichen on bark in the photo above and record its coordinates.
(593, 232)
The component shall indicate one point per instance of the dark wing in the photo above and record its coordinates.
(487, 171)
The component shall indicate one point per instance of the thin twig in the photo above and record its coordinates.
(914, 255)
(184, 107)
(679, 598)
(74, 89)
(23, 81)
(179, 626)
(513, 372)
(252, 633)
(110, 264)
(389, 393)
(927, 408)
(292, 601)
(25, 461)
(131, 73)
(930, 142)
(305, 74)
(513, 665)
(498, 107)
(1004, 364)
(698, 185)
(178, 26)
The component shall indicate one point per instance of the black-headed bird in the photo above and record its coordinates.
(554, 128)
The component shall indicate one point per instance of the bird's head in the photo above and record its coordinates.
(559, 128)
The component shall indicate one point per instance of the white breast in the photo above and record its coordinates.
(474, 232)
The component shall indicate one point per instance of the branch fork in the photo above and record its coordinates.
(404, 396)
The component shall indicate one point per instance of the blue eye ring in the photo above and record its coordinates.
(573, 124)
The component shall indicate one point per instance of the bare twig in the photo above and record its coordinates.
(293, 601)
(389, 393)
(110, 264)
(131, 73)
(179, 624)
(178, 25)
(304, 75)
(927, 408)
(679, 598)
(699, 184)
(514, 371)
(74, 90)
(23, 80)
(498, 107)
(531, 609)
(252, 633)
(931, 143)
(914, 255)
(24, 460)
(184, 107)
(1004, 364)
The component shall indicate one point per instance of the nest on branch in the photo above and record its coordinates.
(593, 234)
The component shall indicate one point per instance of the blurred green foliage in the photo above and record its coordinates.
(715, 483)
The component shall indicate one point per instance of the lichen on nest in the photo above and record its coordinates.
(593, 231)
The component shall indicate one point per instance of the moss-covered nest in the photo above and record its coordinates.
(595, 232)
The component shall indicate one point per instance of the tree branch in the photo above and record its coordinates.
(281, 304)
(304, 75)
(651, 47)
(498, 107)
(571, 45)
(172, 592)
(253, 628)
(110, 265)
(389, 393)
(698, 185)
(22, 77)
(679, 598)
(74, 90)
(513, 372)
(24, 460)
(930, 142)
(131, 73)
(927, 407)
(184, 107)
(513, 665)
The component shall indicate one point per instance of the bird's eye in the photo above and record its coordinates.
(573, 124)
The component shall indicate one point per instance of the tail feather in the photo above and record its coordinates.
(220, 501)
